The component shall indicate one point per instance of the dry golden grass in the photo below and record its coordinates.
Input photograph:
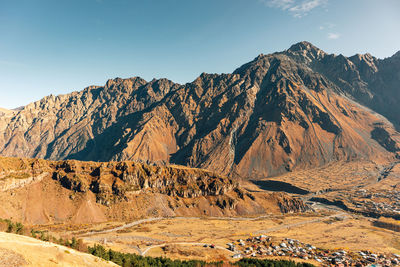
(38, 253)
(338, 176)
(352, 233)
(189, 252)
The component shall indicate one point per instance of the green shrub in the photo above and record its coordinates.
(19, 228)
(44, 236)
(33, 233)
(10, 226)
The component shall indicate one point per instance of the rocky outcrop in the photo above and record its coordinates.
(113, 180)
(289, 205)
(280, 112)
(37, 191)
(7, 184)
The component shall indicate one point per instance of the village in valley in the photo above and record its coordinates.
(370, 203)
(323, 236)
(212, 133)
(386, 203)
(265, 246)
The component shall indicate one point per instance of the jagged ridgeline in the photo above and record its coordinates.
(290, 110)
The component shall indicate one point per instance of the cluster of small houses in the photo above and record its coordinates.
(262, 246)
(392, 206)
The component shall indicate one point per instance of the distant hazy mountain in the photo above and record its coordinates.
(290, 110)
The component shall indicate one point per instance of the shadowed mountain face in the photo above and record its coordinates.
(371, 81)
(291, 110)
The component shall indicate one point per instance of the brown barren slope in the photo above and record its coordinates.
(37, 191)
(281, 112)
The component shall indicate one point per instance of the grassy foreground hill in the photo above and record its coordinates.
(17, 250)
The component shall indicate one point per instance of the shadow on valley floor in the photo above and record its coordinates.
(271, 185)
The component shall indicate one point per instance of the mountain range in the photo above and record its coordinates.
(285, 111)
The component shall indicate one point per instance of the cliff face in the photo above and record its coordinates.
(290, 110)
(114, 180)
(371, 81)
(40, 191)
(57, 127)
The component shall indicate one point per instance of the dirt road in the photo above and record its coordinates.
(87, 237)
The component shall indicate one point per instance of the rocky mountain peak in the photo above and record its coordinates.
(307, 50)
(119, 83)
(365, 63)
(304, 45)
(279, 112)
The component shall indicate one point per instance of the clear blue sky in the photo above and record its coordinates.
(56, 47)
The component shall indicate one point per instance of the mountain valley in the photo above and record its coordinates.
(295, 145)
